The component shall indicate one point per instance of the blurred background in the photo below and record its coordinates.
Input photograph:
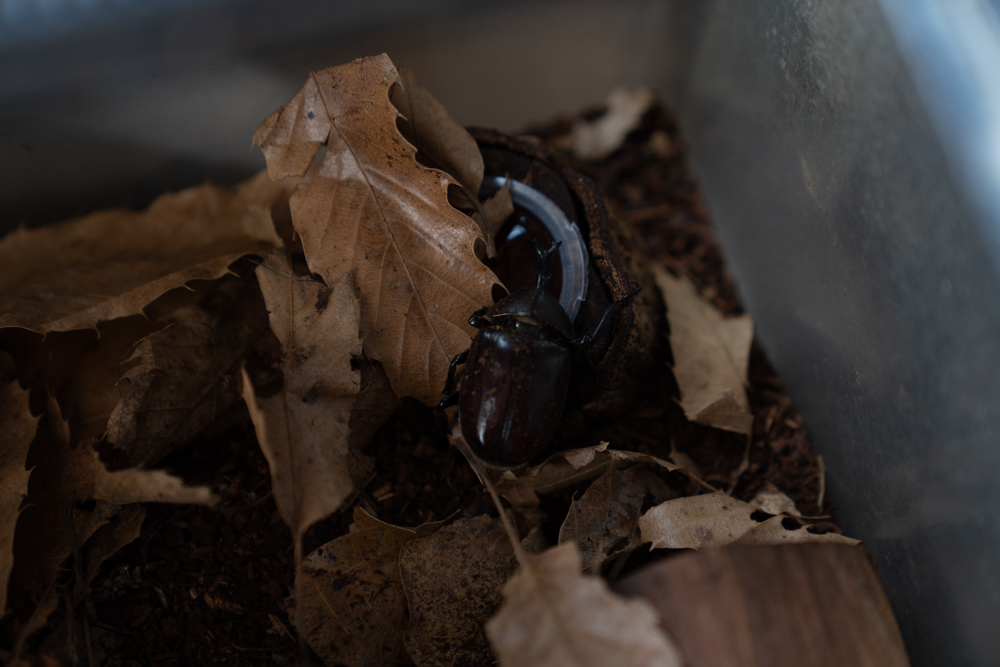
(849, 152)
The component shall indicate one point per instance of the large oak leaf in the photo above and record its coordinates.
(374, 210)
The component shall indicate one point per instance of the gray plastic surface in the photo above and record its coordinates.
(859, 214)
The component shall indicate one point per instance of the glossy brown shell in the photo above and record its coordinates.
(634, 343)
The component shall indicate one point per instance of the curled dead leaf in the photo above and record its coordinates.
(186, 373)
(444, 144)
(111, 264)
(373, 210)
(555, 616)
(711, 354)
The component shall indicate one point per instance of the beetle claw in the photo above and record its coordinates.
(448, 401)
(477, 320)
(543, 261)
(449, 383)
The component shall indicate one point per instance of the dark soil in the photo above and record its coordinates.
(208, 586)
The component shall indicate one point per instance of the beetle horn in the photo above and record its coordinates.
(543, 262)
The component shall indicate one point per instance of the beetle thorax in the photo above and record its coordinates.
(536, 306)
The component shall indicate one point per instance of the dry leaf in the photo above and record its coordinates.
(452, 581)
(495, 211)
(774, 501)
(78, 367)
(579, 458)
(110, 264)
(372, 408)
(121, 530)
(90, 391)
(187, 372)
(711, 354)
(427, 125)
(554, 616)
(604, 522)
(18, 428)
(375, 211)
(51, 526)
(714, 520)
(353, 608)
(303, 430)
(573, 466)
(599, 138)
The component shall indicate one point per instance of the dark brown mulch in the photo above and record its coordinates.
(208, 586)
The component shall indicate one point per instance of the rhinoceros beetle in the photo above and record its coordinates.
(518, 371)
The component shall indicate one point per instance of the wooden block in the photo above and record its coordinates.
(773, 606)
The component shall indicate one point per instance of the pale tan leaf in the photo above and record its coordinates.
(774, 531)
(714, 520)
(578, 458)
(774, 501)
(375, 211)
(134, 485)
(303, 429)
(452, 581)
(604, 521)
(110, 264)
(18, 429)
(353, 609)
(598, 138)
(711, 354)
(554, 616)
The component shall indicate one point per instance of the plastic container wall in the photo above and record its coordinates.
(850, 154)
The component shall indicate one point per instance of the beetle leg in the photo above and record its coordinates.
(449, 384)
(543, 262)
(448, 401)
(450, 395)
(587, 339)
